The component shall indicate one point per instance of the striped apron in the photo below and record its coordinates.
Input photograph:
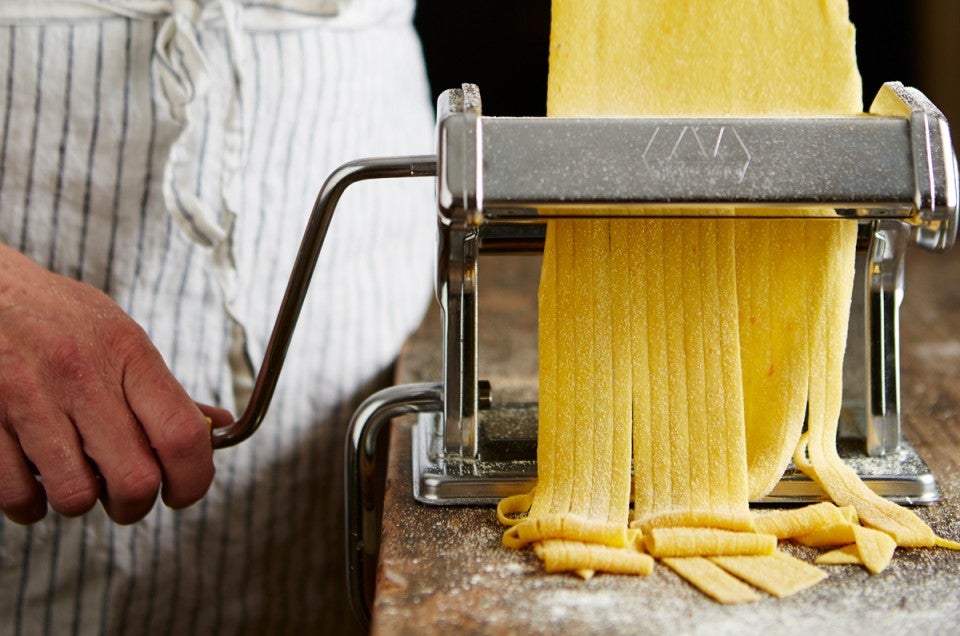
(168, 152)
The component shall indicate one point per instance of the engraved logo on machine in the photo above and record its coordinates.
(716, 154)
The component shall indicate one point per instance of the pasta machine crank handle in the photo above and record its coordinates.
(299, 281)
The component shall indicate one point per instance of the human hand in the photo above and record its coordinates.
(87, 402)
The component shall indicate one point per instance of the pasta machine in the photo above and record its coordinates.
(893, 170)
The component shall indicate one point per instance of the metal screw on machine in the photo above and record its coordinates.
(895, 171)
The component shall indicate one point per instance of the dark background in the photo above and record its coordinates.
(501, 45)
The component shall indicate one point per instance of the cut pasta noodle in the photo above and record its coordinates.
(565, 527)
(688, 352)
(687, 542)
(796, 522)
(712, 580)
(778, 574)
(575, 556)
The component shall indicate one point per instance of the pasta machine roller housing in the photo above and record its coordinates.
(894, 170)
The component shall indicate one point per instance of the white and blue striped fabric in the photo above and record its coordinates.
(169, 153)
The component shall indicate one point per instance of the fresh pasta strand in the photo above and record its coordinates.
(690, 351)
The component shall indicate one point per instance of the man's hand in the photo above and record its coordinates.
(87, 402)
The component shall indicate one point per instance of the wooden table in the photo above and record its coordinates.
(442, 570)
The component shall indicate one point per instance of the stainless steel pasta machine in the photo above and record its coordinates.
(894, 170)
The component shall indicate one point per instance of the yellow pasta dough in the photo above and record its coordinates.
(689, 351)
(687, 542)
(565, 527)
(712, 580)
(796, 522)
(574, 556)
(847, 555)
(778, 574)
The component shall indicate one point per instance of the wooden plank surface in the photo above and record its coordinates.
(442, 570)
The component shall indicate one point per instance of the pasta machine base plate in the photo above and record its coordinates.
(507, 465)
